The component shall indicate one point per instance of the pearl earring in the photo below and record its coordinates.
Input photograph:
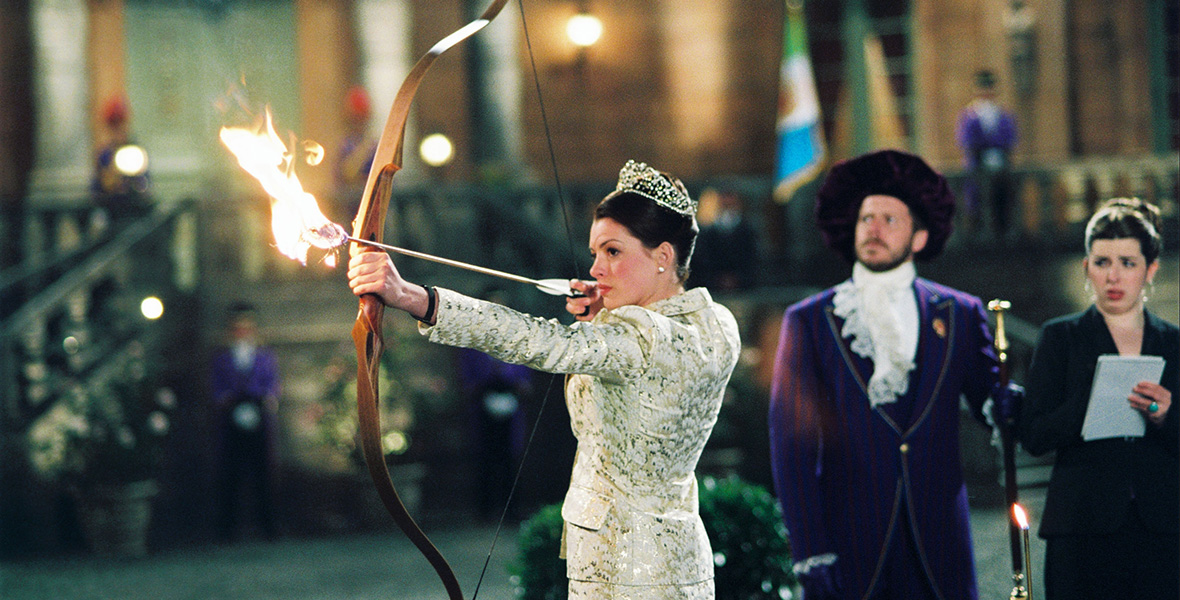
(662, 269)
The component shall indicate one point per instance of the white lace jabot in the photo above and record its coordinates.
(880, 316)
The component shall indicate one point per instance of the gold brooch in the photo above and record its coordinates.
(939, 327)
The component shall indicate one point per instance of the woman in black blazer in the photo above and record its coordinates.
(1112, 514)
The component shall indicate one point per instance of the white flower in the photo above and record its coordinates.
(49, 438)
(158, 422)
(125, 437)
(166, 398)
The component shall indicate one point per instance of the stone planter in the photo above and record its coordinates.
(115, 517)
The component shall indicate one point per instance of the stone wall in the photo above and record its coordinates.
(688, 85)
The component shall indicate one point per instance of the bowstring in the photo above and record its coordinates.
(569, 238)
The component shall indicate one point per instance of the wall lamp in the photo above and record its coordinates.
(584, 29)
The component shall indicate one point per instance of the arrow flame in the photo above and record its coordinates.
(296, 220)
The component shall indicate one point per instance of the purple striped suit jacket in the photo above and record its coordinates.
(843, 470)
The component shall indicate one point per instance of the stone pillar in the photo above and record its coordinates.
(856, 28)
(1046, 131)
(324, 37)
(63, 138)
(384, 29)
(106, 65)
(495, 76)
(698, 66)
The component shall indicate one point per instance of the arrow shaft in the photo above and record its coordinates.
(447, 261)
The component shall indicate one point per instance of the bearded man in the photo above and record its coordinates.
(864, 407)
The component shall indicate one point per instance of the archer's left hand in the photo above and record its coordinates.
(374, 273)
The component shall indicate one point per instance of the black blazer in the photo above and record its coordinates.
(1093, 483)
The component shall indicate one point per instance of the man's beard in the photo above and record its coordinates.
(889, 262)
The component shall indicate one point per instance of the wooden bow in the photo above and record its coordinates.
(367, 332)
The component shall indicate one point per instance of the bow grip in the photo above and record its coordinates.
(370, 225)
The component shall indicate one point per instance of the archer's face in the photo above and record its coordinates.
(885, 234)
(624, 268)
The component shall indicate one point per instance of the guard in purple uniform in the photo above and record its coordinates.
(245, 385)
(986, 133)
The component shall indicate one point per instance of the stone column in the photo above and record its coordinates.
(494, 74)
(855, 29)
(384, 29)
(63, 138)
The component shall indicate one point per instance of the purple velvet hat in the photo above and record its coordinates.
(890, 173)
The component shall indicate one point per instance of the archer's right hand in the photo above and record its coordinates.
(584, 307)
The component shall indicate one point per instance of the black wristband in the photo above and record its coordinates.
(431, 299)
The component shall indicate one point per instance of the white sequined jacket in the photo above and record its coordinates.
(644, 389)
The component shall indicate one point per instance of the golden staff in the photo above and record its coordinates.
(1020, 589)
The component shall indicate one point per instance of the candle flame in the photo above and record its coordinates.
(296, 219)
(1020, 516)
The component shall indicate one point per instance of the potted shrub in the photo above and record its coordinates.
(103, 439)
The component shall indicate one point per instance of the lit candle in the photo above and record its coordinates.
(1022, 520)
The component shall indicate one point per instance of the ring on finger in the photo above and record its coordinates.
(1153, 407)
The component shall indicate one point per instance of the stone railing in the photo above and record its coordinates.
(1053, 202)
(518, 230)
(74, 302)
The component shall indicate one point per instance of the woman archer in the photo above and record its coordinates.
(648, 364)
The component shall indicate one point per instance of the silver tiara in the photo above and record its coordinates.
(638, 178)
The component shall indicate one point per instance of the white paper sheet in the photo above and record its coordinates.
(1109, 414)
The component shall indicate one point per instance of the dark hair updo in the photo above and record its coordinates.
(1122, 218)
(653, 224)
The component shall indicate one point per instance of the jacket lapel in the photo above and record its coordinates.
(936, 333)
(858, 366)
(936, 328)
(1153, 338)
(1094, 330)
(1091, 326)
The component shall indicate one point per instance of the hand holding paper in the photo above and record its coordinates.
(1109, 413)
(1152, 399)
